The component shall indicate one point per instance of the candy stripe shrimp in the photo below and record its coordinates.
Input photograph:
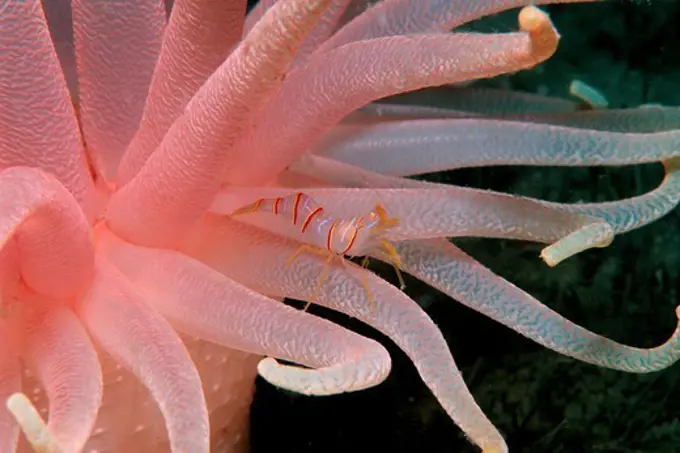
(325, 235)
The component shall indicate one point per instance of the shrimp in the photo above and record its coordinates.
(325, 235)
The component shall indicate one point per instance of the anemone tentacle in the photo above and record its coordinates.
(395, 314)
(208, 305)
(59, 350)
(10, 384)
(56, 255)
(335, 83)
(388, 148)
(200, 143)
(404, 17)
(128, 136)
(508, 106)
(116, 316)
(36, 113)
(432, 212)
(213, 29)
(445, 267)
(622, 215)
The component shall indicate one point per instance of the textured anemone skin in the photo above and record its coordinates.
(129, 419)
(136, 311)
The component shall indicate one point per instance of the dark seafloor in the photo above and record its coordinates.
(541, 401)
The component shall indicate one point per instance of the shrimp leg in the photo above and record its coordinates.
(364, 281)
(306, 248)
(324, 274)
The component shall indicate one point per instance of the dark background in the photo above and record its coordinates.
(541, 401)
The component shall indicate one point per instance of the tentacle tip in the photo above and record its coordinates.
(276, 374)
(591, 96)
(672, 165)
(239, 212)
(599, 234)
(544, 35)
(606, 243)
(299, 380)
(266, 367)
(532, 19)
(549, 258)
(606, 236)
(31, 424)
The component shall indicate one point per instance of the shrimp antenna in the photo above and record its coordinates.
(248, 209)
(385, 222)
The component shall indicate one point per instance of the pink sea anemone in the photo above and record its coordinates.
(135, 311)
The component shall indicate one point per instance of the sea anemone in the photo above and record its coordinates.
(129, 138)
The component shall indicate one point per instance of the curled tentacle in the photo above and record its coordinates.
(59, 350)
(622, 215)
(56, 255)
(142, 341)
(202, 302)
(394, 314)
(402, 17)
(335, 83)
(445, 267)
(631, 213)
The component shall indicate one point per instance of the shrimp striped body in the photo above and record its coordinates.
(324, 234)
(318, 228)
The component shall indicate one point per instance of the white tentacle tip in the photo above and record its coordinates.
(266, 365)
(310, 382)
(31, 424)
(282, 376)
(598, 234)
